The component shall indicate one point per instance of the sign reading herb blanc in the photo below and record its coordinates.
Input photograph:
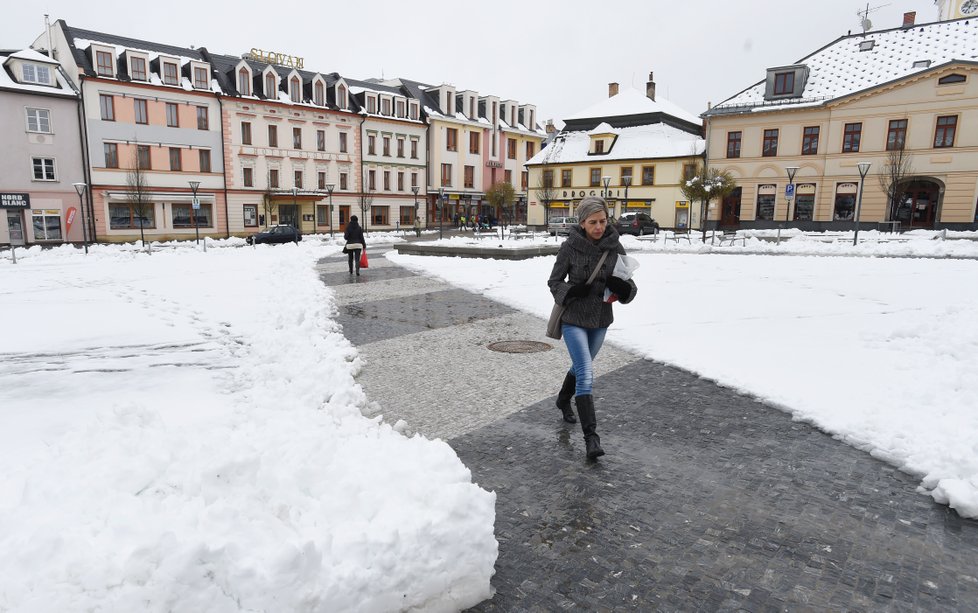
(273, 57)
(15, 201)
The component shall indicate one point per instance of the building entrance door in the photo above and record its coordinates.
(730, 210)
(344, 216)
(918, 205)
(288, 215)
(15, 227)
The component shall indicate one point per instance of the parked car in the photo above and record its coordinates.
(636, 223)
(560, 225)
(276, 234)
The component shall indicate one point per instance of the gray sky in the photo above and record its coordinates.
(559, 55)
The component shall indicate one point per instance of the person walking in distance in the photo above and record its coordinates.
(587, 315)
(417, 226)
(355, 243)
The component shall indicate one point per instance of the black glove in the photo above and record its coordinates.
(577, 291)
(620, 287)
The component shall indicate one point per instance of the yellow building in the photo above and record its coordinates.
(904, 101)
(631, 148)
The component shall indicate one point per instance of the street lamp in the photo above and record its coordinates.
(791, 170)
(80, 188)
(626, 181)
(441, 211)
(329, 192)
(863, 169)
(415, 189)
(195, 205)
(295, 208)
(606, 181)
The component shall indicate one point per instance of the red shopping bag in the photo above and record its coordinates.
(363, 259)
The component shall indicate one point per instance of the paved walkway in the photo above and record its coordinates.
(707, 500)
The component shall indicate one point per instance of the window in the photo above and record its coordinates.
(297, 138)
(524, 179)
(341, 96)
(297, 178)
(851, 136)
(205, 160)
(47, 225)
(36, 73)
(400, 181)
(648, 175)
(273, 136)
(270, 86)
(111, 151)
(946, 127)
(380, 215)
(318, 93)
(845, 202)
(320, 140)
(245, 132)
(273, 178)
(106, 104)
(344, 181)
(474, 142)
(407, 215)
(172, 115)
(201, 78)
(511, 148)
(530, 149)
(202, 122)
(170, 73)
(770, 145)
(470, 176)
(734, 140)
(595, 177)
(371, 104)
(896, 135)
(446, 175)
(387, 180)
(248, 176)
(342, 142)
(626, 175)
(809, 141)
(176, 161)
(548, 179)
(689, 171)
(43, 169)
(508, 176)
(451, 139)
(565, 177)
(371, 144)
(599, 146)
(371, 180)
(250, 214)
(103, 63)
(295, 90)
(952, 78)
(387, 145)
(244, 85)
(125, 216)
(385, 106)
(184, 214)
(400, 147)
(414, 179)
(322, 215)
(414, 149)
(39, 120)
(805, 202)
(414, 110)
(139, 107)
(321, 180)
(143, 160)
(137, 68)
(784, 83)
(400, 108)
(766, 197)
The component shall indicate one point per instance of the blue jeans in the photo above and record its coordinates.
(583, 345)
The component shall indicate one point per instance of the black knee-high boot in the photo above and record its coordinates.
(589, 423)
(564, 398)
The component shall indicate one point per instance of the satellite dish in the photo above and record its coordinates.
(866, 24)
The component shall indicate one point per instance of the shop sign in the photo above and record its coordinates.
(274, 57)
(70, 218)
(494, 164)
(15, 201)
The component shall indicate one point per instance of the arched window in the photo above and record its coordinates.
(244, 82)
(341, 96)
(296, 91)
(318, 93)
(270, 86)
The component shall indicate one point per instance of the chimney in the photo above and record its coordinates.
(612, 89)
(650, 88)
(909, 18)
(551, 128)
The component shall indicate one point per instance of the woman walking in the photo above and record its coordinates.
(354, 243)
(592, 245)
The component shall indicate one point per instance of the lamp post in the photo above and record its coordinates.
(606, 181)
(863, 169)
(626, 181)
(80, 188)
(329, 192)
(295, 208)
(195, 205)
(416, 189)
(791, 170)
(441, 211)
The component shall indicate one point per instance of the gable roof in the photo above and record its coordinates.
(629, 102)
(844, 67)
(652, 141)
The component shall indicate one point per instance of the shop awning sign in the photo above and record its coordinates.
(15, 201)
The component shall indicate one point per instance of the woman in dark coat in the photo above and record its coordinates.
(587, 316)
(354, 243)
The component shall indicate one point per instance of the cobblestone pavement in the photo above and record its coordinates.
(708, 500)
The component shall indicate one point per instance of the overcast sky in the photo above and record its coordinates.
(559, 55)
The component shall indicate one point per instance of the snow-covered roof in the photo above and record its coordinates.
(633, 102)
(602, 128)
(656, 140)
(32, 56)
(63, 88)
(851, 64)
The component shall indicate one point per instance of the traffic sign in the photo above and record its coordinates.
(789, 191)
(196, 204)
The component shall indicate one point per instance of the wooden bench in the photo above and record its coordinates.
(732, 238)
(518, 233)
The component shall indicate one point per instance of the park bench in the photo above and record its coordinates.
(731, 238)
(678, 236)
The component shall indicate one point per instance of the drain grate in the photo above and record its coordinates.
(519, 346)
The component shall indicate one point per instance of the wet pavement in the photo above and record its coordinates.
(708, 500)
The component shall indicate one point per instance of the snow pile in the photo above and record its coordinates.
(238, 475)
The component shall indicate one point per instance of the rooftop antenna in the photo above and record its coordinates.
(863, 15)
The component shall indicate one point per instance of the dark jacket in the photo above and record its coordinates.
(575, 261)
(354, 235)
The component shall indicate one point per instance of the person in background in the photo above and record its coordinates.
(355, 243)
(417, 226)
(587, 316)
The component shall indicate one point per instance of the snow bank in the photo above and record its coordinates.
(264, 490)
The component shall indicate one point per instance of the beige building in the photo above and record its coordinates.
(644, 146)
(903, 100)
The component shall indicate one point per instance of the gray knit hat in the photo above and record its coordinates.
(589, 206)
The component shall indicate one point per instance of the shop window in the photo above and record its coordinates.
(845, 202)
(250, 213)
(123, 216)
(183, 216)
(47, 224)
(766, 197)
(380, 215)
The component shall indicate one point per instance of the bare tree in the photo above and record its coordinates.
(267, 201)
(137, 192)
(502, 197)
(893, 175)
(546, 191)
(705, 185)
(365, 200)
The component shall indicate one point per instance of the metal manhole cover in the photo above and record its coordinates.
(520, 346)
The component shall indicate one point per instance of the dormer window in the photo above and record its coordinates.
(270, 86)
(784, 83)
(201, 77)
(371, 104)
(137, 68)
(952, 78)
(341, 97)
(295, 90)
(103, 63)
(400, 108)
(414, 110)
(867, 45)
(244, 82)
(385, 106)
(599, 146)
(36, 73)
(319, 93)
(921, 64)
(171, 73)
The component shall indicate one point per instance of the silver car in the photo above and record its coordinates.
(561, 225)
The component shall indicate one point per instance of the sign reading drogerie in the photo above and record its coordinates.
(274, 57)
(15, 201)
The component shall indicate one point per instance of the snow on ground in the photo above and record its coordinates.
(182, 431)
(878, 351)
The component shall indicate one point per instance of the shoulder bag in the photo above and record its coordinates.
(554, 329)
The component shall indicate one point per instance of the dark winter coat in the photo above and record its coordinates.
(354, 237)
(575, 262)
